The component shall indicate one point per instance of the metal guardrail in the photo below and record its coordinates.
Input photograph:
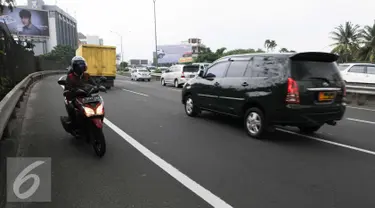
(12, 100)
(359, 93)
(360, 89)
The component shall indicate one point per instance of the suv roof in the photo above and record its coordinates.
(312, 55)
(246, 55)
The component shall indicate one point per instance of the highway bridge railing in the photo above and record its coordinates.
(361, 94)
(11, 101)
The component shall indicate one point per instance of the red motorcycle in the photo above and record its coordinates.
(89, 112)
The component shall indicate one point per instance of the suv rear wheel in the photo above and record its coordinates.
(254, 122)
(176, 83)
(309, 129)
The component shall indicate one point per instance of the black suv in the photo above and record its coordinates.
(289, 89)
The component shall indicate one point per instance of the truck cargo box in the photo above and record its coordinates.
(101, 61)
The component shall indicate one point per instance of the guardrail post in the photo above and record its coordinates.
(361, 99)
(23, 93)
(14, 114)
(6, 132)
(18, 105)
(349, 98)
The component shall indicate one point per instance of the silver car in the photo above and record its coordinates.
(179, 74)
(140, 74)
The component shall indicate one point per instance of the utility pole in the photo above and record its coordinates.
(122, 54)
(156, 39)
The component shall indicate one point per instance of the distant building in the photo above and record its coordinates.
(196, 45)
(89, 39)
(138, 62)
(59, 27)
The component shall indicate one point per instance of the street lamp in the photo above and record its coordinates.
(156, 39)
(122, 55)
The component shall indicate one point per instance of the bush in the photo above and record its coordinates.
(5, 86)
(157, 71)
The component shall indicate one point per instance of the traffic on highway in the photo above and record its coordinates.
(157, 156)
(147, 112)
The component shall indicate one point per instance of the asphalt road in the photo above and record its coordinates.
(196, 162)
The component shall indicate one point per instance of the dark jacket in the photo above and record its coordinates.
(74, 82)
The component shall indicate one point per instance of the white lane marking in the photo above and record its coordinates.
(329, 142)
(138, 93)
(361, 121)
(199, 190)
(175, 173)
(358, 108)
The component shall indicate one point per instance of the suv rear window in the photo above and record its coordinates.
(191, 68)
(307, 70)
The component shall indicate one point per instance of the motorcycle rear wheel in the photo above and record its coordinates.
(98, 141)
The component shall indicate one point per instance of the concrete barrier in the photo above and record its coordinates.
(12, 100)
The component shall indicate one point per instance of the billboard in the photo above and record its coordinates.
(27, 22)
(173, 53)
(138, 62)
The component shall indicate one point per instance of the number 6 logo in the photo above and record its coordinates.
(22, 178)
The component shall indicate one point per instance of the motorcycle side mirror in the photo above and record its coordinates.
(62, 82)
(102, 89)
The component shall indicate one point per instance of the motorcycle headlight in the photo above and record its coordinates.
(89, 112)
(100, 110)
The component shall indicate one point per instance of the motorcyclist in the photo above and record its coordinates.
(76, 78)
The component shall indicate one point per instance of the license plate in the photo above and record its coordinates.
(326, 96)
(191, 76)
(93, 99)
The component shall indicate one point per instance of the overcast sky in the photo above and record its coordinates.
(301, 25)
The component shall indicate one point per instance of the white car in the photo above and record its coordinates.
(179, 74)
(140, 74)
(363, 73)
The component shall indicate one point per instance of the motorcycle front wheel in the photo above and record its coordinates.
(98, 141)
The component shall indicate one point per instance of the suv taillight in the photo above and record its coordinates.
(292, 96)
(182, 75)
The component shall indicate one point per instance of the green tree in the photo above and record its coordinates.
(61, 53)
(346, 39)
(208, 56)
(367, 51)
(283, 50)
(270, 45)
(239, 51)
(267, 44)
(123, 64)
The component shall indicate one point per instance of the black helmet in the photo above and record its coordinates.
(78, 65)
